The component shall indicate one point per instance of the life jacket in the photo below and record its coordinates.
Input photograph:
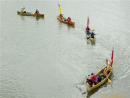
(92, 34)
(22, 10)
(37, 11)
(93, 78)
(90, 82)
(69, 19)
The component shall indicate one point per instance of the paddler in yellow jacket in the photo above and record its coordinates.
(61, 16)
(22, 9)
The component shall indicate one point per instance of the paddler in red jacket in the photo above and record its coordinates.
(94, 78)
(36, 12)
(69, 19)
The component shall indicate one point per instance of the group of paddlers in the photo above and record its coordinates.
(23, 8)
(89, 33)
(67, 20)
(95, 79)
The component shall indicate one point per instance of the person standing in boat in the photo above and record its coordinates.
(36, 12)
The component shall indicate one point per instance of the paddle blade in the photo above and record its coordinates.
(93, 29)
(109, 81)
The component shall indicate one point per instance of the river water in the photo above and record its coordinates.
(44, 58)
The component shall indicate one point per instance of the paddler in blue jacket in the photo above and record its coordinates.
(88, 30)
(92, 35)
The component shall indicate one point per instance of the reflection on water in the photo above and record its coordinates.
(70, 26)
(90, 42)
(22, 17)
(37, 18)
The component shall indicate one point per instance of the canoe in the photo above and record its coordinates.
(27, 14)
(89, 89)
(70, 23)
(92, 39)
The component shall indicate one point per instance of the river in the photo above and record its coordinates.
(44, 58)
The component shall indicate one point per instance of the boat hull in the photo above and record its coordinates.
(70, 23)
(88, 37)
(89, 89)
(25, 14)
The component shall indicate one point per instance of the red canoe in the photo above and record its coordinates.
(70, 23)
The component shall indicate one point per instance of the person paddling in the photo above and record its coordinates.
(61, 16)
(92, 35)
(94, 78)
(36, 12)
(88, 30)
(22, 9)
(69, 19)
(90, 82)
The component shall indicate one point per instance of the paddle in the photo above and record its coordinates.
(102, 66)
(83, 80)
(92, 30)
(109, 81)
(88, 37)
(112, 74)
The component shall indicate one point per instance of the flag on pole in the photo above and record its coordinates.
(112, 56)
(88, 22)
(60, 8)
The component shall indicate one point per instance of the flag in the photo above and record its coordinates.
(88, 22)
(112, 56)
(59, 8)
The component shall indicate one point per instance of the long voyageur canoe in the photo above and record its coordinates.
(89, 89)
(28, 14)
